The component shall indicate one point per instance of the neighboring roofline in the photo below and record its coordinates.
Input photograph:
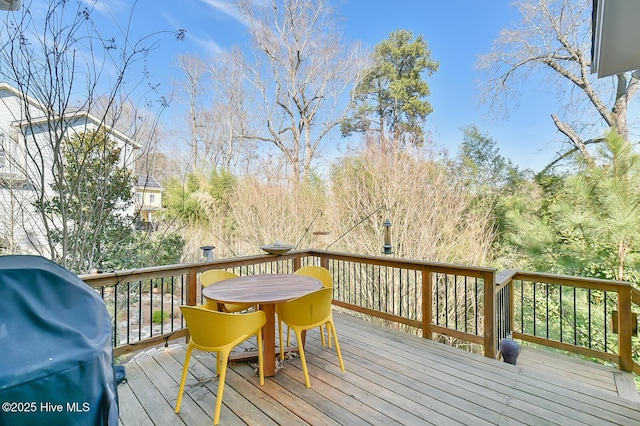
(150, 183)
(67, 115)
(6, 86)
(140, 188)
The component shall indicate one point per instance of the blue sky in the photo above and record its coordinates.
(457, 32)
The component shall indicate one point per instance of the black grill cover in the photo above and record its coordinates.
(56, 360)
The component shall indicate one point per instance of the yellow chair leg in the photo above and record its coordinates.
(261, 357)
(223, 376)
(218, 362)
(303, 359)
(281, 343)
(183, 380)
(280, 324)
(288, 334)
(335, 337)
(328, 327)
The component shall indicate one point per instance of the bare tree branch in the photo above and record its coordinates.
(296, 79)
(556, 35)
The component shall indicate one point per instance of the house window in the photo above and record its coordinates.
(152, 198)
(139, 198)
(3, 159)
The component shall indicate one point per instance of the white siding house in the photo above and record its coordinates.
(29, 137)
(148, 201)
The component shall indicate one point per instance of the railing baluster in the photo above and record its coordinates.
(140, 310)
(575, 317)
(546, 286)
(173, 289)
(455, 299)
(398, 284)
(436, 280)
(115, 314)
(466, 306)
(605, 321)
(446, 300)
(416, 295)
(128, 313)
(522, 304)
(561, 312)
(535, 312)
(477, 307)
(590, 319)
(390, 291)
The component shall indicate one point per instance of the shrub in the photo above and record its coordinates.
(158, 317)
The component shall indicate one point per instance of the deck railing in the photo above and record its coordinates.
(458, 300)
(587, 316)
(144, 303)
(464, 305)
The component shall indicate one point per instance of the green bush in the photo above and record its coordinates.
(159, 317)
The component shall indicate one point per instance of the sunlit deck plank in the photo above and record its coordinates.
(167, 375)
(391, 378)
(131, 411)
(491, 400)
(239, 391)
(429, 382)
(572, 368)
(560, 399)
(149, 396)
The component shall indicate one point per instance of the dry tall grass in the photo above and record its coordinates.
(428, 207)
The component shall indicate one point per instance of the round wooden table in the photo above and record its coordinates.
(264, 290)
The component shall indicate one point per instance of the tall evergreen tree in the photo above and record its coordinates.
(390, 101)
(497, 185)
(590, 224)
(481, 160)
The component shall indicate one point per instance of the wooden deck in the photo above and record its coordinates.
(392, 379)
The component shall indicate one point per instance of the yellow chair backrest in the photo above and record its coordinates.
(219, 332)
(307, 311)
(304, 313)
(211, 330)
(212, 276)
(317, 272)
(322, 274)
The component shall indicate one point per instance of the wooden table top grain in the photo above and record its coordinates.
(262, 289)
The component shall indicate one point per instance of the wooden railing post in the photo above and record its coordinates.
(324, 262)
(489, 315)
(192, 294)
(192, 287)
(625, 327)
(427, 301)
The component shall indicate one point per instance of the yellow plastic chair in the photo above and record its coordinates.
(323, 275)
(305, 313)
(219, 332)
(213, 276)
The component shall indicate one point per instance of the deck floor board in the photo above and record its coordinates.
(392, 378)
